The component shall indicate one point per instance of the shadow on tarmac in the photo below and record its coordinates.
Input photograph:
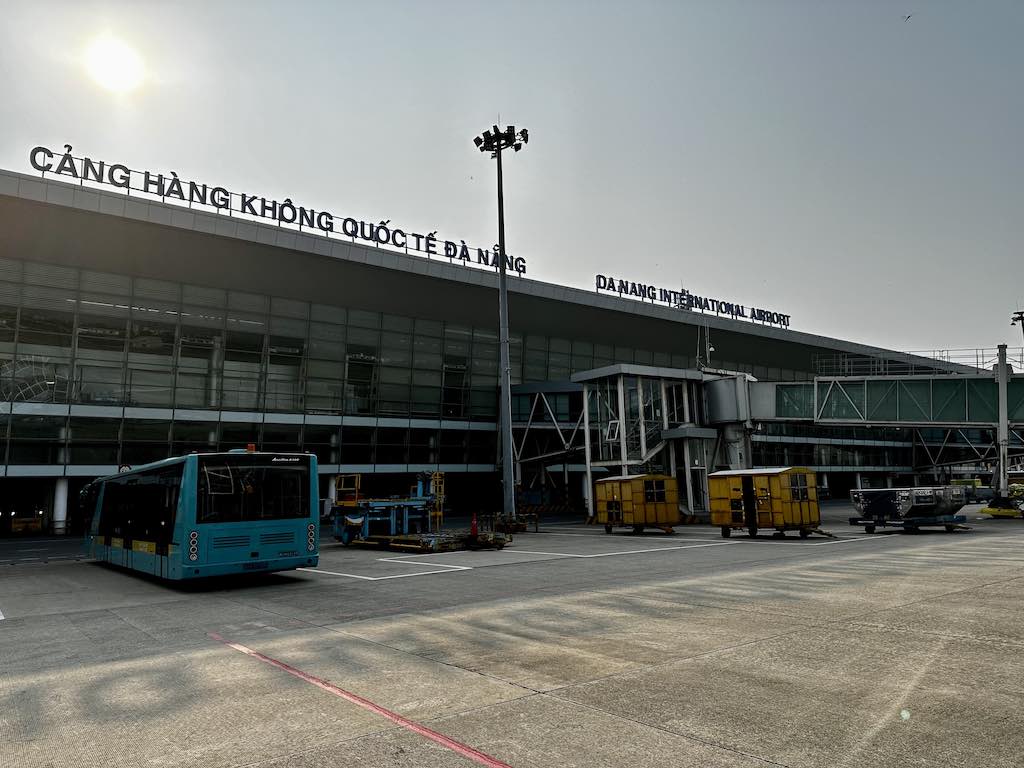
(234, 582)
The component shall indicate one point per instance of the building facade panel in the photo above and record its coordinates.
(131, 330)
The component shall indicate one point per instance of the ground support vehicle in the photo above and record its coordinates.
(357, 518)
(1006, 511)
(913, 524)
(210, 514)
(909, 508)
(1009, 507)
(637, 502)
(780, 499)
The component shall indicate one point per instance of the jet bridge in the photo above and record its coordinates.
(988, 399)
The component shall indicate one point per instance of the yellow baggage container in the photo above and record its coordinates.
(780, 498)
(637, 501)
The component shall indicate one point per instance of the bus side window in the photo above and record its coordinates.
(87, 504)
(149, 502)
(111, 514)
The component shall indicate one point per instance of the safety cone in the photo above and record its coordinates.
(473, 531)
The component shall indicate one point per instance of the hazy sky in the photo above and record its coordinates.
(829, 160)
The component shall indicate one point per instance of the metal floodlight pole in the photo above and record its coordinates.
(494, 143)
(1018, 316)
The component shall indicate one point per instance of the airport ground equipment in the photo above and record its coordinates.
(779, 498)
(1011, 506)
(638, 502)
(356, 517)
(410, 523)
(909, 508)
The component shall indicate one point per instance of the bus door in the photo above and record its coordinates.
(163, 559)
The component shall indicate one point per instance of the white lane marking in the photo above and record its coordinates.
(846, 541)
(1, 615)
(621, 533)
(772, 540)
(36, 549)
(431, 565)
(382, 578)
(627, 552)
(424, 554)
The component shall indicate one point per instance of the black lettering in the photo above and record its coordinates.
(149, 182)
(220, 197)
(91, 171)
(34, 159)
(119, 175)
(196, 193)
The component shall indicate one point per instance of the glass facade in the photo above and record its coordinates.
(86, 338)
(78, 336)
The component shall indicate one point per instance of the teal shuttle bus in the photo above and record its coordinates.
(209, 514)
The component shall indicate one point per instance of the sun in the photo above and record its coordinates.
(114, 64)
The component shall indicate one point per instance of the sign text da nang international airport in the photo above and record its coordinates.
(203, 196)
(683, 299)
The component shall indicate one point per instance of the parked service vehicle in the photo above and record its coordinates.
(780, 498)
(637, 502)
(208, 514)
(909, 508)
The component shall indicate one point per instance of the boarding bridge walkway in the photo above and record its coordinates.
(954, 400)
(977, 398)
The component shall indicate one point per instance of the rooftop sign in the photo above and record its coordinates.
(170, 188)
(683, 299)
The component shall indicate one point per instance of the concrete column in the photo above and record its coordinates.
(623, 424)
(215, 371)
(857, 481)
(60, 506)
(1003, 425)
(588, 478)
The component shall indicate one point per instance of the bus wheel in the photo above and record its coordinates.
(608, 529)
(726, 531)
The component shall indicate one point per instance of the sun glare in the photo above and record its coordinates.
(114, 64)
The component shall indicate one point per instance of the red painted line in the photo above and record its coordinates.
(455, 746)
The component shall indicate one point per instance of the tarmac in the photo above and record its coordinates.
(569, 647)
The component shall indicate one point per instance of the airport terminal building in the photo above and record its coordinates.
(136, 325)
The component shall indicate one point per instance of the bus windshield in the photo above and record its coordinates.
(235, 489)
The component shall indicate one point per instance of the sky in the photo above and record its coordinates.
(829, 160)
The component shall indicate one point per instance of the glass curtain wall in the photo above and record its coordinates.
(86, 337)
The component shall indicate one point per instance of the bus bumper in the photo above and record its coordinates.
(271, 565)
